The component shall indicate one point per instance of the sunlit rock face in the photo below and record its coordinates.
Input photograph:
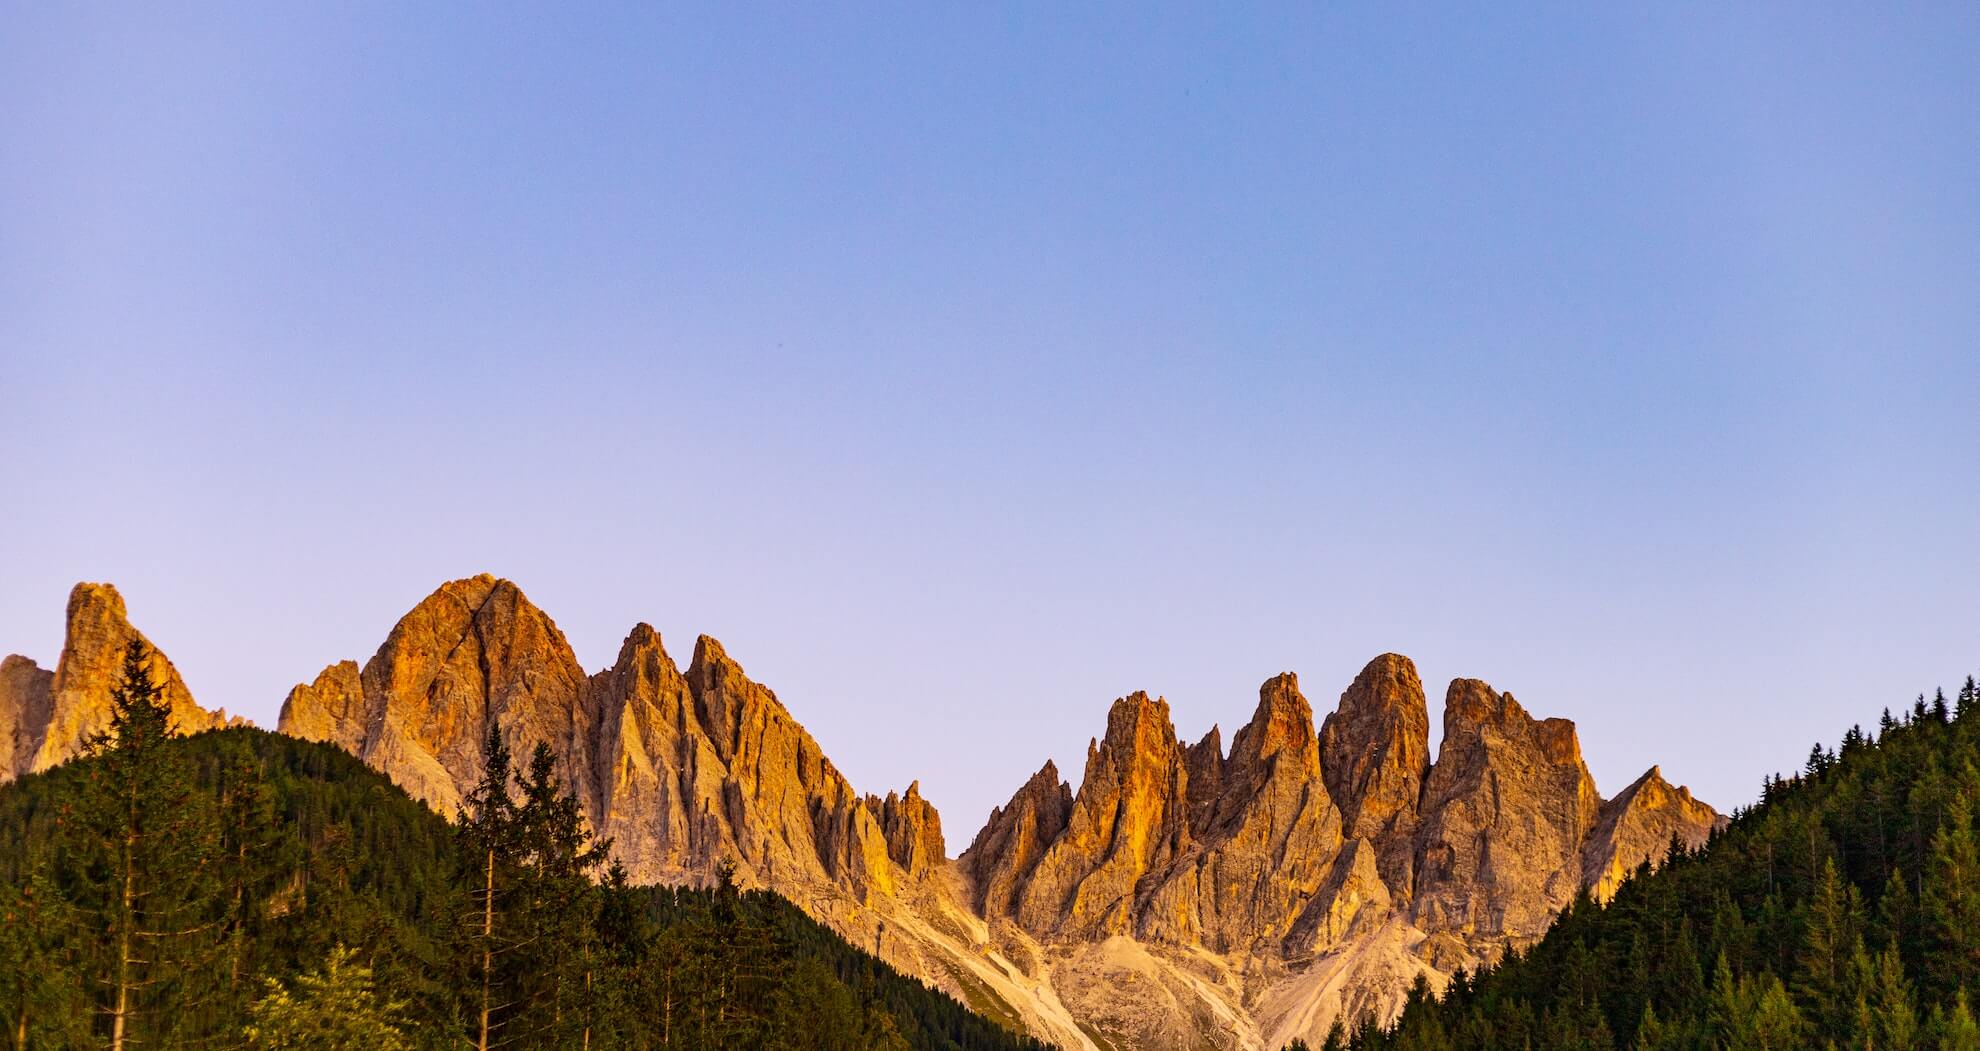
(1375, 752)
(1638, 826)
(47, 718)
(1178, 896)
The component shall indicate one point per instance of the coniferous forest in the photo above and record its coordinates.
(240, 888)
(1841, 911)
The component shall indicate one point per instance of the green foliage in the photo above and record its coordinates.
(1842, 911)
(257, 858)
(334, 1009)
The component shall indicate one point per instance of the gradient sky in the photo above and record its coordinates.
(965, 371)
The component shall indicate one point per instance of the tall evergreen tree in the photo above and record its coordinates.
(488, 830)
(142, 837)
(556, 859)
(1951, 905)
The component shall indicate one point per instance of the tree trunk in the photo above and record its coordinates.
(487, 945)
(126, 922)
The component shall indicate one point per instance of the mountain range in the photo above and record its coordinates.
(1181, 895)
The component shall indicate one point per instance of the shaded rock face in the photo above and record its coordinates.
(27, 696)
(1638, 826)
(1002, 856)
(1503, 816)
(49, 717)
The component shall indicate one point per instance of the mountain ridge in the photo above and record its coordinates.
(1178, 895)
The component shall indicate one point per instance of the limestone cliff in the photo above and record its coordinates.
(912, 828)
(475, 651)
(49, 717)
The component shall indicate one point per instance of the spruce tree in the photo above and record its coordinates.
(1830, 944)
(146, 892)
(1951, 905)
(557, 914)
(488, 831)
(1956, 1030)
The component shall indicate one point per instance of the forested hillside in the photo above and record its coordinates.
(1842, 910)
(244, 889)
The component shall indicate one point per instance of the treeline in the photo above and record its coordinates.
(1843, 910)
(243, 889)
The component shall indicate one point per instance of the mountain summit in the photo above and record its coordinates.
(1180, 896)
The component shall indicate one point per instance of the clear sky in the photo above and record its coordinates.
(963, 372)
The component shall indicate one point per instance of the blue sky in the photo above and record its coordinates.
(963, 371)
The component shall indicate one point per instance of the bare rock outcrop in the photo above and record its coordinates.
(1375, 753)
(681, 770)
(474, 652)
(1638, 826)
(1002, 856)
(330, 709)
(1268, 843)
(1129, 817)
(1504, 813)
(912, 828)
(27, 695)
(47, 718)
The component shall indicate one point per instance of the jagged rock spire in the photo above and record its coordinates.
(48, 717)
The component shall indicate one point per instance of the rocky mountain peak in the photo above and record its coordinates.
(1638, 826)
(1504, 812)
(472, 652)
(1129, 816)
(48, 717)
(1011, 843)
(1375, 752)
(1282, 722)
(1182, 890)
(912, 828)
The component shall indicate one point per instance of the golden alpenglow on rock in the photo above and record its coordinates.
(49, 717)
(1179, 896)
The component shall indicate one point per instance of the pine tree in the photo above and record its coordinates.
(1969, 699)
(146, 886)
(1752, 1013)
